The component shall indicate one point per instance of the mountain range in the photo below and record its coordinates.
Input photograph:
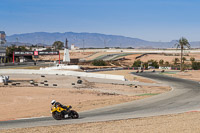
(89, 40)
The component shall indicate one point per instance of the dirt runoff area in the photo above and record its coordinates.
(23, 99)
(190, 74)
(177, 123)
(127, 74)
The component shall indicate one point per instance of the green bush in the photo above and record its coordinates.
(137, 63)
(153, 63)
(99, 63)
(196, 65)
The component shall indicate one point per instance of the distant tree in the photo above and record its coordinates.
(10, 50)
(192, 59)
(99, 63)
(30, 48)
(137, 63)
(48, 49)
(196, 65)
(13, 48)
(145, 65)
(176, 60)
(166, 63)
(153, 63)
(58, 45)
(184, 59)
(161, 62)
(22, 48)
(182, 43)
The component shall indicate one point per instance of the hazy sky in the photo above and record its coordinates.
(153, 20)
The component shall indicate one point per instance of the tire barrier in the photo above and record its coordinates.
(55, 85)
(79, 82)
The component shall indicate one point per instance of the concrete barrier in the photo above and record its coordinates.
(61, 66)
(168, 68)
(62, 72)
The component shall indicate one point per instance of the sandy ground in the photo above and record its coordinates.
(34, 101)
(158, 57)
(128, 76)
(177, 123)
(191, 74)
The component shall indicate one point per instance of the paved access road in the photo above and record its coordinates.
(184, 97)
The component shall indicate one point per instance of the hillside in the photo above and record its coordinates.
(94, 40)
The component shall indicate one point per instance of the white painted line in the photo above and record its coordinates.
(32, 118)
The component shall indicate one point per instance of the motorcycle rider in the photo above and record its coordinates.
(57, 104)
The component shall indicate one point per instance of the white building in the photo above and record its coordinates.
(73, 47)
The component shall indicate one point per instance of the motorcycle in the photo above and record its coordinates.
(60, 113)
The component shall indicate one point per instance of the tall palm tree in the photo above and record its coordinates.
(182, 43)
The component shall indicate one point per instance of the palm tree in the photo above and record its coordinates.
(176, 60)
(184, 59)
(192, 59)
(182, 43)
(167, 63)
(161, 62)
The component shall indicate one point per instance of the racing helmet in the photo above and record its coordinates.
(53, 102)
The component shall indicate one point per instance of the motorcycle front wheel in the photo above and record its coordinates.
(57, 115)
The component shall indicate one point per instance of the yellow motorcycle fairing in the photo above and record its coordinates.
(58, 109)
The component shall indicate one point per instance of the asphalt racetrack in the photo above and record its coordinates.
(184, 97)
